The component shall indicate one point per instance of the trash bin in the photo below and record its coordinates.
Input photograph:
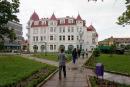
(99, 69)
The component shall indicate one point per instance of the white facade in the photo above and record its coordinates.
(49, 34)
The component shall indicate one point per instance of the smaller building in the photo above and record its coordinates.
(117, 41)
(15, 45)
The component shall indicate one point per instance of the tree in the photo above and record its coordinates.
(124, 19)
(8, 10)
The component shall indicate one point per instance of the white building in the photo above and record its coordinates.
(49, 34)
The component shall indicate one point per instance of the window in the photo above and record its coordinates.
(72, 29)
(63, 29)
(54, 29)
(68, 29)
(68, 37)
(62, 21)
(60, 29)
(36, 22)
(93, 41)
(51, 47)
(77, 37)
(41, 38)
(70, 21)
(35, 31)
(51, 37)
(51, 23)
(43, 22)
(44, 37)
(54, 47)
(77, 29)
(41, 30)
(63, 37)
(60, 37)
(44, 30)
(72, 37)
(51, 29)
(36, 38)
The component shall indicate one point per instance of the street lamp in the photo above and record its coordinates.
(80, 39)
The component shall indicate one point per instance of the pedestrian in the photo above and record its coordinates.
(78, 51)
(62, 63)
(82, 53)
(74, 55)
(86, 53)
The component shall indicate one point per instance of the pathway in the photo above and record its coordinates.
(76, 76)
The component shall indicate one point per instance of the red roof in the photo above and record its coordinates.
(53, 17)
(90, 28)
(78, 17)
(34, 16)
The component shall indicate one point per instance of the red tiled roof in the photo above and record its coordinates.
(34, 16)
(78, 17)
(53, 17)
(90, 28)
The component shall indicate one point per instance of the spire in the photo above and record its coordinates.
(34, 16)
(53, 17)
(78, 17)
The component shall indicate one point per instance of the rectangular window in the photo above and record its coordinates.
(63, 37)
(60, 29)
(33, 38)
(36, 38)
(72, 29)
(44, 30)
(41, 38)
(35, 31)
(51, 47)
(62, 21)
(60, 37)
(44, 37)
(93, 41)
(68, 29)
(72, 37)
(54, 29)
(54, 47)
(51, 37)
(51, 29)
(63, 29)
(77, 37)
(68, 37)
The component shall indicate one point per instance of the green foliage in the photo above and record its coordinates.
(13, 69)
(96, 52)
(124, 19)
(8, 10)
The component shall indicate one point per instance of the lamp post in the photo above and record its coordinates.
(80, 38)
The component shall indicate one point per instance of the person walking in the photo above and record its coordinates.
(74, 55)
(78, 51)
(86, 53)
(62, 63)
(82, 53)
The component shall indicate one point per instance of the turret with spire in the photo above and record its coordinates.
(79, 20)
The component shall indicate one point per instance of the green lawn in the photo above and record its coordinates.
(50, 56)
(117, 63)
(15, 68)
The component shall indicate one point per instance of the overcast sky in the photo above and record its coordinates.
(102, 15)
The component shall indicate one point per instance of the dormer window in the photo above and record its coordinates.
(43, 22)
(70, 21)
(36, 22)
(62, 21)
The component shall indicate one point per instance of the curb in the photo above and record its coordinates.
(52, 74)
